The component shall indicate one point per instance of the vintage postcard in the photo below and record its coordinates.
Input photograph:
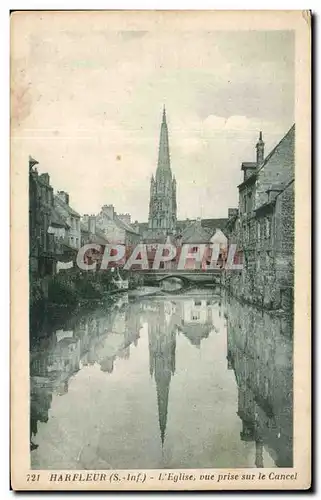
(160, 242)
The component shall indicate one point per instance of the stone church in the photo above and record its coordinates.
(162, 220)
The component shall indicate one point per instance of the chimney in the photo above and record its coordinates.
(109, 210)
(125, 218)
(232, 212)
(64, 196)
(260, 150)
(92, 224)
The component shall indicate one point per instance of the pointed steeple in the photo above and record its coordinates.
(162, 205)
(162, 389)
(164, 114)
(163, 164)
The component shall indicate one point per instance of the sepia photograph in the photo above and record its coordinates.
(157, 162)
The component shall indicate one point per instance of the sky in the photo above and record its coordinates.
(87, 104)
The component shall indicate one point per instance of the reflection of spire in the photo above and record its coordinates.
(163, 379)
(162, 350)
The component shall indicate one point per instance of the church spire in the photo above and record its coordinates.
(164, 114)
(162, 205)
(163, 164)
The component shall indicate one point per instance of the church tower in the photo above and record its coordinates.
(162, 204)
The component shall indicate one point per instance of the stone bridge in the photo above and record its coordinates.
(185, 278)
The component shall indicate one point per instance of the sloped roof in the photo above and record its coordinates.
(195, 233)
(123, 225)
(196, 332)
(214, 224)
(181, 225)
(98, 237)
(61, 205)
(57, 220)
(67, 248)
(210, 224)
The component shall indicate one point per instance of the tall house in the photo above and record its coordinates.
(266, 225)
(162, 205)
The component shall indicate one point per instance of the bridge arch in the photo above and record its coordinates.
(172, 279)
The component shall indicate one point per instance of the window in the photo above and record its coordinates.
(267, 227)
(258, 228)
(195, 315)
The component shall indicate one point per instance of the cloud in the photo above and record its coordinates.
(97, 94)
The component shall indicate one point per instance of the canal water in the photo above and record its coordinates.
(188, 380)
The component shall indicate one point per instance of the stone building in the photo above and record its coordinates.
(263, 228)
(42, 247)
(59, 229)
(162, 219)
(125, 218)
(114, 228)
(72, 218)
(90, 233)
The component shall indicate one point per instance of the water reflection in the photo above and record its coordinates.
(260, 353)
(189, 380)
